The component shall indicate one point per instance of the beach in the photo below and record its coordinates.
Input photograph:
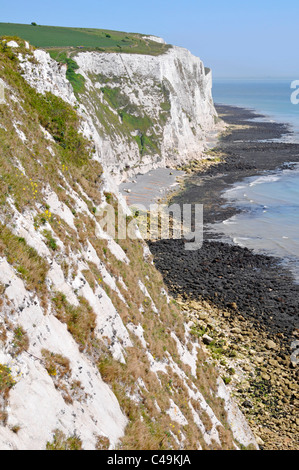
(260, 286)
(250, 293)
(225, 273)
(149, 188)
(243, 304)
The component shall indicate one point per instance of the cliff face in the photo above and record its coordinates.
(169, 96)
(93, 352)
(147, 111)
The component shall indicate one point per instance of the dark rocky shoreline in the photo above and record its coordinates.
(251, 298)
(231, 277)
(246, 155)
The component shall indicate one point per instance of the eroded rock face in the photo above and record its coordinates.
(144, 111)
(172, 91)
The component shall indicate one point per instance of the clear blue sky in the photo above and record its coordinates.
(254, 38)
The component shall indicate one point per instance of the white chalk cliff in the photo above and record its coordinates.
(169, 93)
(138, 371)
(176, 78)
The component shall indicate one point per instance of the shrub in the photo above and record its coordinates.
(102, 443)
(61, 442)
(6, 380)
(51, 242)
(21, 341)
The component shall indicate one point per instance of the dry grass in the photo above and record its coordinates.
(56, 364)
(58, 367)
(141, 436)
(102, 443)
(62, 442)
(6, 384)
(25, 259)
(81, 320)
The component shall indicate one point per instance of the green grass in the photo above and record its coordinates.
(131, 122)
(83, 38)
(115, 98)
(76, 79)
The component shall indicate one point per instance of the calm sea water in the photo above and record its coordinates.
(269, 97)
(269, 222)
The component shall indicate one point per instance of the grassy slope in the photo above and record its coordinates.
(61, 37)
(26, 188)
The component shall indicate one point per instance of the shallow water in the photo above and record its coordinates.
(268, 97)
(269, 222)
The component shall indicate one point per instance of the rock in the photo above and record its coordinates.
(265, 376)
(202, 316)
(13, 44)
(233, 305)
(193, 305)
(207, 339)
(259, 441)
(270, 344)
(247, 404)
(237, 331)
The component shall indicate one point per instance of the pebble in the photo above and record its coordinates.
(270, 344)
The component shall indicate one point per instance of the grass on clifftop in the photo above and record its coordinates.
(83, 38)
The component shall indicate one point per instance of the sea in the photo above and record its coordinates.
(269, 219)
